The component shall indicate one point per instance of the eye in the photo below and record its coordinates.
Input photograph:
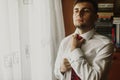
(75, 11)
(86, 10)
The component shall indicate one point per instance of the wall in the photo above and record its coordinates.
(67, 14)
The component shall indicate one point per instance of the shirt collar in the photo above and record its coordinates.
(86, 35)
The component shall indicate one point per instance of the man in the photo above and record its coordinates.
(90, 56)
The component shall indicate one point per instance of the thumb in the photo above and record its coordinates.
(82, 40)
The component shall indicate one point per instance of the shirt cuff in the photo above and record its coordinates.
(75, 55)
(61, 76)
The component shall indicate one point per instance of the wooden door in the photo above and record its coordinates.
(67, 14)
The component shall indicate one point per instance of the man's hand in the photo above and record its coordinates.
(76, 43)
(65, 66)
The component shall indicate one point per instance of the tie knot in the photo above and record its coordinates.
(79, 37)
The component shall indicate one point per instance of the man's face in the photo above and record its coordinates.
(84, 15)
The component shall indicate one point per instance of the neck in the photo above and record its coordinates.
(82, 31)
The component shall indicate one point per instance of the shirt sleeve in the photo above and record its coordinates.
(57, 72)
(99, 66)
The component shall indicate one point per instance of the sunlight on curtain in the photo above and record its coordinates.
(30, 30)
(4, 40)
(57, 32)
(46, 31)
(10, 68)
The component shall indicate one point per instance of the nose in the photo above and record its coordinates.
(81, 13)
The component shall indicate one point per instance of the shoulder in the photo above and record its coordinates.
(102, 39)
(104, 43)
(66, 39)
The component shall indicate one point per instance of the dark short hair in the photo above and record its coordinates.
(93, 2)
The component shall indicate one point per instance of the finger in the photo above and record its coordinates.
(65, 60)
(82, 40)
(68, 67)
(68, 64)
(63, 69)
(74, 36)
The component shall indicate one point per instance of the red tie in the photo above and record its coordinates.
(79, 37)
(73, 74)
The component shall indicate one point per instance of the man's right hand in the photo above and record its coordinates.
(75, 42)
(65, 66)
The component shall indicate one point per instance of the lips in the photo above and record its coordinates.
(79, 20)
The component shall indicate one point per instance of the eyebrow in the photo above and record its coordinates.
(76, 9)
(83, 8)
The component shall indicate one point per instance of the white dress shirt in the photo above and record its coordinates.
(91, 61)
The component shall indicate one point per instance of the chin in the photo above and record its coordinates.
(80, 26)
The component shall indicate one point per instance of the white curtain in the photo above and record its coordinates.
(57, 32)
(46, 31)
(30, 33)
(10, 64)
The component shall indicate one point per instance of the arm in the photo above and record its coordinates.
(97, 69)
(57, 71)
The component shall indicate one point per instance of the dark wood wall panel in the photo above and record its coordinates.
(67, 14)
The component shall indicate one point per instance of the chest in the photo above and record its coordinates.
(89, 49)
